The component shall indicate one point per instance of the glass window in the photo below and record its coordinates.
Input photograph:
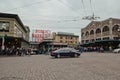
(61, 41)
(61, 37)
(4, 25)
(106, 38)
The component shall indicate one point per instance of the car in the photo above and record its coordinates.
(63, 52)
(116, 50)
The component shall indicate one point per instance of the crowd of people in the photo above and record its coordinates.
(95, 49)
(80, 48)
(15, 51)
(28, 51)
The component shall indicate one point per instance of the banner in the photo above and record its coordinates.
(40, 35)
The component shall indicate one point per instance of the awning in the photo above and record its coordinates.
(101, 42)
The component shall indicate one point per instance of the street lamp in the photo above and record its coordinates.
(119, 32)
(3, 39)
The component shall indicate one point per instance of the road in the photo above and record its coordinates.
(89, 66)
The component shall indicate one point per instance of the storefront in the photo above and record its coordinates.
(105, 44)
(13, 33)
(14, 41)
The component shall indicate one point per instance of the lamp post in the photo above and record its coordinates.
(3, 39)
(118, 33)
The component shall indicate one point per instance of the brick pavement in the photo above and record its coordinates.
(90, 66)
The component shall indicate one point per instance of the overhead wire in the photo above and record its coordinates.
(83, 7)
(91, 7)
(27, 5)
(92, 16)
(54, 18)
(93, 13)
(66, 5)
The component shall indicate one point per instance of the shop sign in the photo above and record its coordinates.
(39, 35)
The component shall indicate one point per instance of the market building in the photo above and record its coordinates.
(63, 39)
(59, 40)
(104, 34)
(12, 31)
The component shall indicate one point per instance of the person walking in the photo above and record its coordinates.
(29, 51)
(81, 49)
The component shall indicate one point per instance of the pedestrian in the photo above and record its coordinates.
(29, 51)
(80, 49)
(101, 49)
(110, 48)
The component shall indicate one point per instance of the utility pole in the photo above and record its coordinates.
(92, 18)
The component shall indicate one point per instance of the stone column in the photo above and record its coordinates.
(94, 32)
(110, 29)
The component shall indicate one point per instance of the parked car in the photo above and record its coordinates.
(71, 52)
(117, 50)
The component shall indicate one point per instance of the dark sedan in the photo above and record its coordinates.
(71, 52)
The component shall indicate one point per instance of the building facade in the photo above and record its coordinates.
(55, 41)
(12, 31)
(64, 38)
(101, 33)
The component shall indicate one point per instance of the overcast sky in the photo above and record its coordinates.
(60, 15)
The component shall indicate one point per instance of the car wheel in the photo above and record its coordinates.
(58, 55)
(75, 55)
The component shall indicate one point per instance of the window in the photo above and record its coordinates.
(91, 32)
(98, 31)
(66, 37)
(82, 41)
(82, 34)
(4, 25)
(105, 28)
(61, 41)
(87, 33)
(87, 41)
(98, 39)
(116, 38)
(115, 28)
(92, 40)
(106, 38)
(61, 37)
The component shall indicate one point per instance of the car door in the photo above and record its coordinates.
(71, 53)
(62, 52)
(67, 52)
